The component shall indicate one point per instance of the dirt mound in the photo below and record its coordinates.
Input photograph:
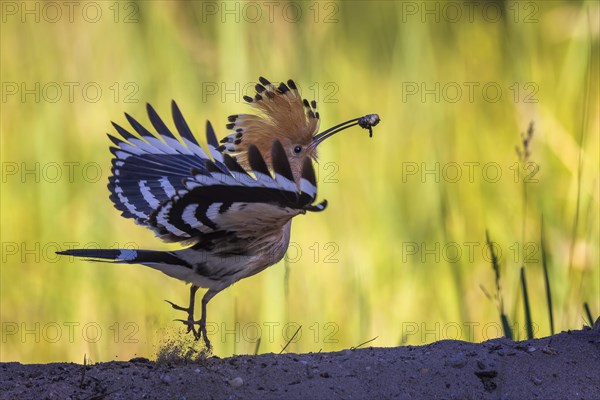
(563, 366)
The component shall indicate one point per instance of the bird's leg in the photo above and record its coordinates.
(190, 322)
(205, 299)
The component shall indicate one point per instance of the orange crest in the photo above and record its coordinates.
(283, 115)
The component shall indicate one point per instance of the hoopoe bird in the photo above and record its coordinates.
(233, 208)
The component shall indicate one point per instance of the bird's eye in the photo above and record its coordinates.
(297, 149)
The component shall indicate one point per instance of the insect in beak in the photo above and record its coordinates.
(366, 122)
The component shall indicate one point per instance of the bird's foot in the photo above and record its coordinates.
(191, 324)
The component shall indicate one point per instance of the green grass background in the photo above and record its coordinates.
(354, 58)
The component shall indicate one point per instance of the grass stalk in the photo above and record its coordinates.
(583, 127)
(496, 267)
(588, 314)
(546, 278)
(527, 309)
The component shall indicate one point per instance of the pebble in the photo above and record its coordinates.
(457, 361)
(236, 382)
(166, 378)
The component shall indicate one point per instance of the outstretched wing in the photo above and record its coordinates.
(148, 170)
(232, 201)
(172, 186)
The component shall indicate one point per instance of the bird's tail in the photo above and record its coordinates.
(171, 263)
(119, 255)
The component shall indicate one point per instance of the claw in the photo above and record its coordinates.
(190, 327)
(205, 337)
(190, 322)
(175, 306)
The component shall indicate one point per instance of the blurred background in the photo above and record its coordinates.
(400, 254)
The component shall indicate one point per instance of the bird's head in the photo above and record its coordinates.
(282, 115)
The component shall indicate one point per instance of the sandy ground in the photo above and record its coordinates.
(563, 366)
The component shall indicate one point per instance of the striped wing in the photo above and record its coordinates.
(233, 201)
(173, 187)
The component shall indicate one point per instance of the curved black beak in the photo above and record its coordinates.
(366, 122)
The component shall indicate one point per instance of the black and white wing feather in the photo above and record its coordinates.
(173, 187)
(148, 170)
(236, 202)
